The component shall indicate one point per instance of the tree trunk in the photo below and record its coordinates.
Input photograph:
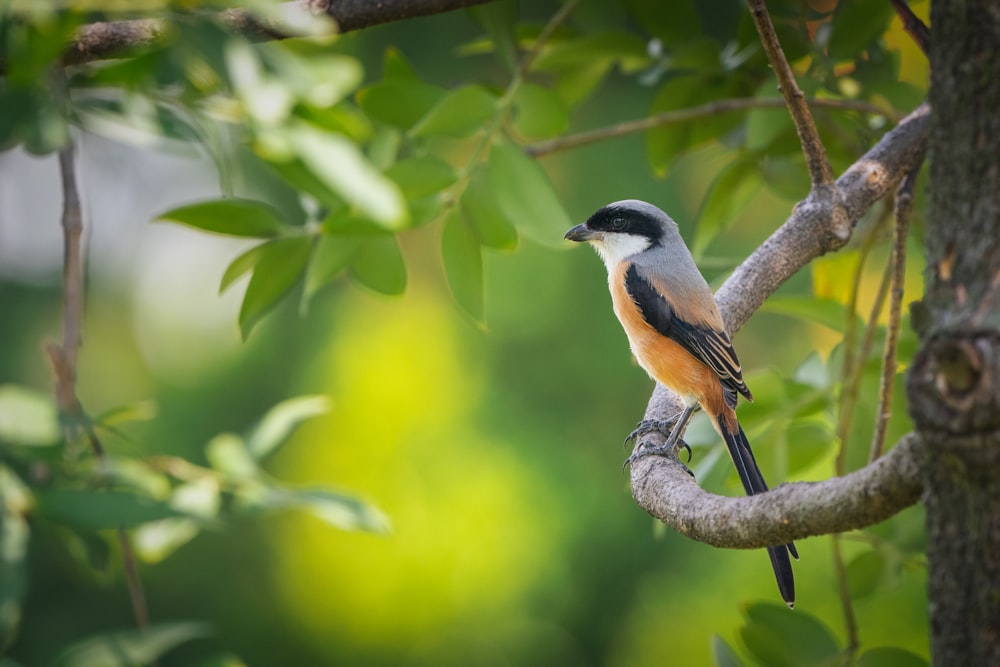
(954, 384)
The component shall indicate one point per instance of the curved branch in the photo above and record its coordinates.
(823, 222)
(665, 489)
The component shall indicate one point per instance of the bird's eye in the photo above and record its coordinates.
(617, 224)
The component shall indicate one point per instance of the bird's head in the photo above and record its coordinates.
(623, 229)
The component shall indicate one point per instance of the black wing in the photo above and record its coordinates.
(705, 343)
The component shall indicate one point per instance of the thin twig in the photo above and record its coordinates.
(912, 24)
(819, 166)
(856, 355)
(853, 363)
(64, 357)
(850, 327)
(693, 113)
(844, 592)
(557, 20)
(902, 212)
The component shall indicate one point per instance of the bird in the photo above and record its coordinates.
(677, 335)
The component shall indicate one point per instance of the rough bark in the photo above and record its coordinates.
(954, 385)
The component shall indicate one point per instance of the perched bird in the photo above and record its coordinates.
(677, 334)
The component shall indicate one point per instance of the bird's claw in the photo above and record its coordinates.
(663, 426)
(668, 451)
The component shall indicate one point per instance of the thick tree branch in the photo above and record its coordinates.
(665, 489)
(819, 224)
(97, 41)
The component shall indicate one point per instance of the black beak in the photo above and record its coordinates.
(580, 233)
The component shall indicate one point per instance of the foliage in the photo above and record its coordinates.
(331, 168)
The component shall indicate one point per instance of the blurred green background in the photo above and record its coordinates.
(494, 451)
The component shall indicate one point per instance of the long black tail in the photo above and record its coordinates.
(753, 483)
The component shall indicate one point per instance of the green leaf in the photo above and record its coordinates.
(400, 103)
(730, 192)
(342, 166)
(233, 216)
(499, 20)
(864, 573)
(463, 264)
(887, 656)
(539, 113)
(301, 179)
(379, 265)
(156, 540)
(664, 144)
(765, 125)
(811, 439)
(724, 654)
(396, 66)
(27, 417)
(480, 207)
(128, 648)
(48, 131)
(460, 113)
(780, 637)
(856, 25)
(828, 312)
(383, 149)
(221, 660)
(674, 23)
(123, 414)
(241, 265)
(337, 509)
(422, 176)
(786, 176)
(576, 83)
(100, 509)
(330, 256)
(278, 268)
(526, 197)
(625, 48)
(281, 421)
(15, 534)
(228, 454)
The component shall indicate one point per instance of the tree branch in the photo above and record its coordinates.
(665, 489)
(97, 41)
(912, 24)
(823, 222)
(903, 209)
(570, 141)
(64, 357)
(819, 166)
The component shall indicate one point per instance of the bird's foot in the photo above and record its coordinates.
(664, 426)
(668, 451)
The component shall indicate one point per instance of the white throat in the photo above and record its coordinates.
(614, 248)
